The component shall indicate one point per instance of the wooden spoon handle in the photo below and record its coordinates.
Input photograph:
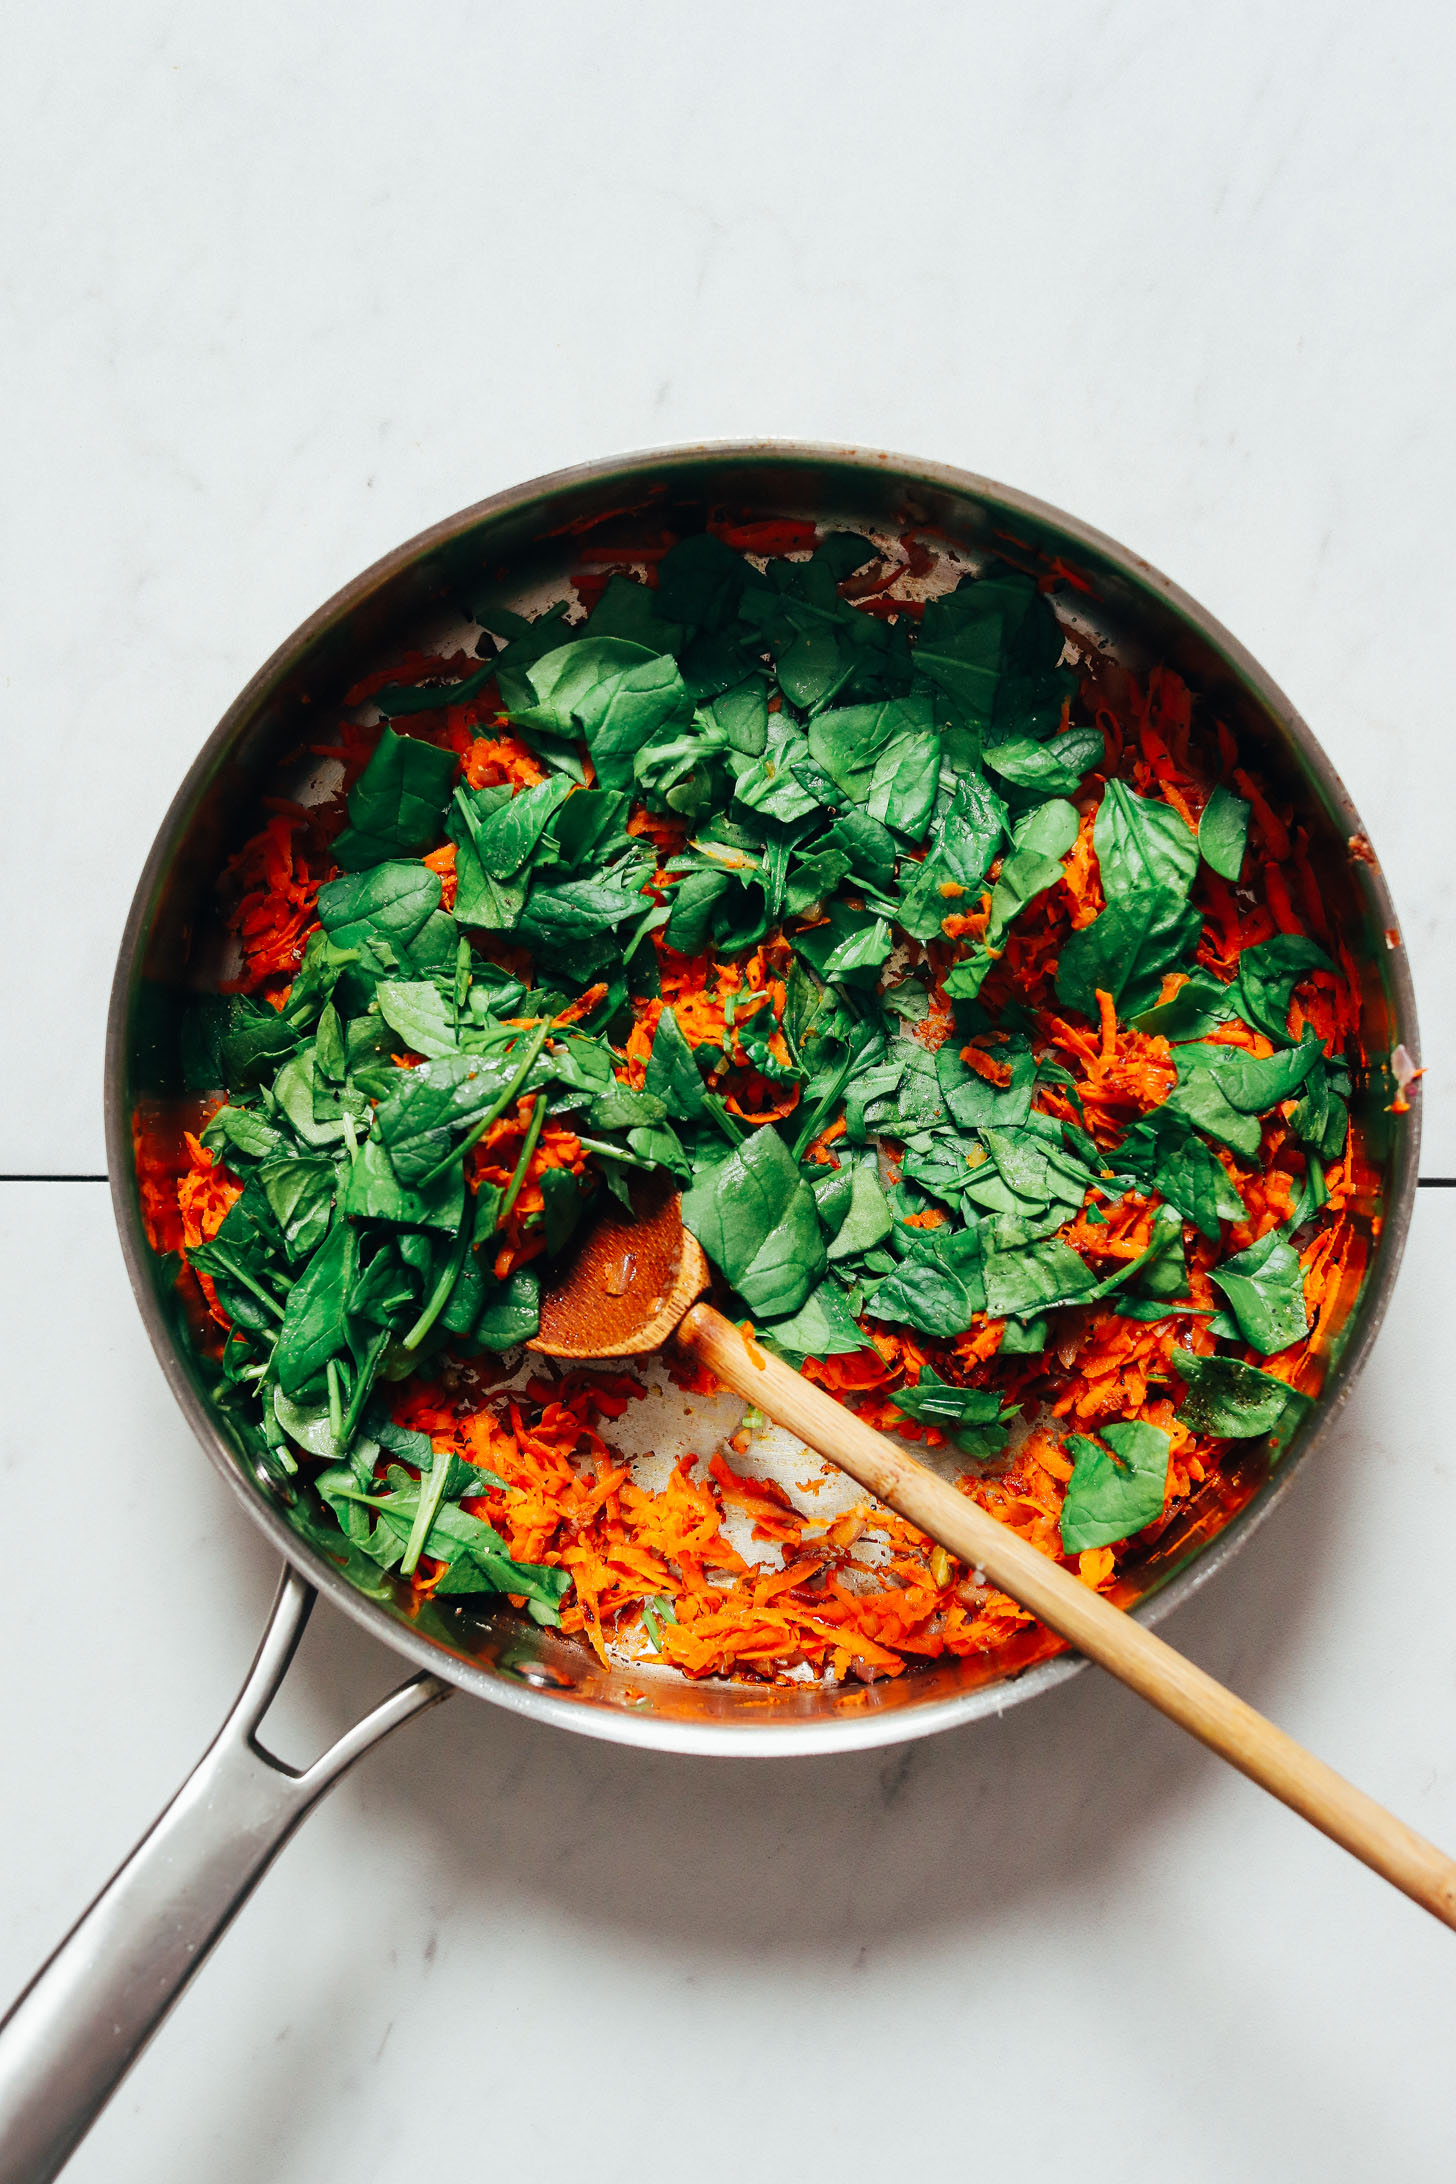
(1097, 1628)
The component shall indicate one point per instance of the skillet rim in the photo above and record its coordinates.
(866, 1728)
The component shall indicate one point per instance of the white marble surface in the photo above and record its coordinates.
(283, 284)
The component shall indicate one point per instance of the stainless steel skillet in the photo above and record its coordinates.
(86, 2017)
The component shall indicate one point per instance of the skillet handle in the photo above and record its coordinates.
(70, 2039)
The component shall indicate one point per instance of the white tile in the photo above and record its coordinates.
(276, 298)
(1062, 1943)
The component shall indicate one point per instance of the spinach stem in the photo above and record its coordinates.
(241, 1274)
(336, 1403)
(612, 1152)
(425, 1509)
(528, 1146)
(493, 1113)
(440, 1294)
(362, 1386)
(717, 1107)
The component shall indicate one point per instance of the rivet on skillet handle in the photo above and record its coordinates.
(79, 2026)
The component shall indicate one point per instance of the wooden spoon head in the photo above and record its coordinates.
(628, 1285)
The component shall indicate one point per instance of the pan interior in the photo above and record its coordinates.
(521, 551)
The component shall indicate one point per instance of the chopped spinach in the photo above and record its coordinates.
(1111, 1495)
(1230, 1398)
(827, 848)
(398, 802)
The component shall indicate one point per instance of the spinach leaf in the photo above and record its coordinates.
(416, 1009)
(1022, 1283)
(772, 783)
(1223, 833)
(1040, 838)
(1321, 1119)
(528, 641)
(615, 694)
(1248, 1082)
(960, 652)
(696, 902)
(619, 1107)
(256, 1039)
(235, 1132)
(823, 1326)
(1025, 874)
(848, 741)
(1199, 1097)
(976, 1420)
(1126, 949)
(398, 802)
(510, 1313)
(1111, 1496)
(1268, 975)
(903, 785)
(936, 1295)
(754, 1216)
(242, 1265)
(1265, 1290)
(700, 582)
(373, 1191)
(315, 1324)
(1036, 1163)
(631, 610)
(583, 1065)
(1231, 1399)
(506, 838)
(871, 1097)
(416, 1125)
(564, 1202)
(1050, 828)
(672, 1075)
(493, 905)
(588, 827)
(392, 902)
(1052, 769)
(399, 699)
(740, 715)
(949, 878)
(300, 1193)
(1162, 1270)
(863, 949)
(310, 1425)
(974, 1102)
(477, 1558)
(296, 1092)
(560, 917)
(1142, 844)
(1163, 1150)
(867, 1220)
(867, 847)
(809, 882)
(1200, 1005)
(847, 946)
(318, 975)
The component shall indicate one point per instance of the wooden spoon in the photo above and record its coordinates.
(634, 1285)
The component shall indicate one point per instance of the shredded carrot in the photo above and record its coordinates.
(670, 1571)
